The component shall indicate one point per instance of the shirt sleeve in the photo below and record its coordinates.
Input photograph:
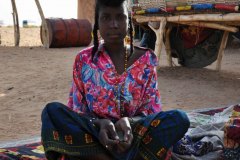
(76, 101)
(151, 98)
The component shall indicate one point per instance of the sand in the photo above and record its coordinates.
(31, 76)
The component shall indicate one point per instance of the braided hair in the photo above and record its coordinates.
(109, 3)
(130, 29)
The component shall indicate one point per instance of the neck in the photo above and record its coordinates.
(115, 49)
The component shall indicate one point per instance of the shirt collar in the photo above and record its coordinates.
(100, 50)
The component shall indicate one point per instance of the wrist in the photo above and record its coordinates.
(100, 122)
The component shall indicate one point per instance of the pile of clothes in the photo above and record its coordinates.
(211, 137)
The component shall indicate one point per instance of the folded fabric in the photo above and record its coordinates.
(213, 116)
(184, 146)
(187, 146)
(209, 156)
(229, 143)
(236, 111)
(232, 129)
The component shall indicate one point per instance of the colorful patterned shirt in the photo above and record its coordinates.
(98, 89)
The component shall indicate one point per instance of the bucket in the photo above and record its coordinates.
(68, 32)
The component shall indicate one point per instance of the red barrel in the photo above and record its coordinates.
(68, 32)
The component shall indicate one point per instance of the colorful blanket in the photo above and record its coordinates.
(204, 137)
(33, 151)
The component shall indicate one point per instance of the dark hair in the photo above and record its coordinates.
(109, 3)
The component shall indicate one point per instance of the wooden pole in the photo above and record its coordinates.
(221, 50)
(159, 34)
(207, 17)
(16, 24)
(168, 46)
(210, 25)
(230, 17)
(225, 27)
(45, 31)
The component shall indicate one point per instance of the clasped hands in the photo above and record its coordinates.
(109, 134)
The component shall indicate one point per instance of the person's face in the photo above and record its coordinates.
(113, 23)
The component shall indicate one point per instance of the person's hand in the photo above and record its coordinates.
(123, 125)
(107, 134)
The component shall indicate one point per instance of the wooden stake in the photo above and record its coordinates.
(16, 24)
(159, 34)
(221, 50)
(168, 46)
(45, 31)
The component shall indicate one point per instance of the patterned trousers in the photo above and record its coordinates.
(67, 132)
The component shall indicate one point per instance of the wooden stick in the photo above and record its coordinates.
(168, 46)
(16, 24)
(45, 31)
(159, 34)
(188, 18)
(231, 24)
(236, 23)
(207, 17)
(211, 25)
(221, 50)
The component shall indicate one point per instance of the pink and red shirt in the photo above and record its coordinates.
(98, 89)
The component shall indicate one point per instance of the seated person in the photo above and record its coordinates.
(114, 110)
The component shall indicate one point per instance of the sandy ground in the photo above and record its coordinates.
(31, 76)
